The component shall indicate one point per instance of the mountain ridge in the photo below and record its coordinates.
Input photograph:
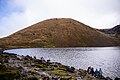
(114, 30)
(58, 32)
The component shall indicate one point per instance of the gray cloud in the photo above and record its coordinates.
(95, 13)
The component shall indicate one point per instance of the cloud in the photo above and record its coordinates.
(95, 13)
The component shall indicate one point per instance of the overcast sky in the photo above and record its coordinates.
(18, 14)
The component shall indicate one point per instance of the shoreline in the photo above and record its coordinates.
(27, 67)
(9, 48)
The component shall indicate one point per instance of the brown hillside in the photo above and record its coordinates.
(57, 32)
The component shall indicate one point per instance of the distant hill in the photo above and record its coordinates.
(114, 30)
(58, 32)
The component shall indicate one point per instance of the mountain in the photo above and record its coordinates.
(58, 32)
(114, 30)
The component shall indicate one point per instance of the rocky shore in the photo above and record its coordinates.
(16, 67)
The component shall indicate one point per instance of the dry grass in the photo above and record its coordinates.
(62, 32)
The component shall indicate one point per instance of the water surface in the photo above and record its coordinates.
(107, 58)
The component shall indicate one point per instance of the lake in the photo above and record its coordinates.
(107, 58)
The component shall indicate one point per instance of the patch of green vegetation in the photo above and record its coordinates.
(32, 45)
(31, 77)
(33, 72)
(8, 73)
(117, 36)
(48, 45)
(10, 55)
(1, 51)
(90, 77)
(82, 72)
(58, 72)
(40, 65)
(63, 67)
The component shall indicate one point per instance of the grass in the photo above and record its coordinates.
(1, 51)
(31, 77)
(58, 72)
(40, 65)
(8, 73)
(63, 74)
(57, 33)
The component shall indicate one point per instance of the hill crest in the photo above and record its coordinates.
(58, 32)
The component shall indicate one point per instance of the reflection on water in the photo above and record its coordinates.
(107, 58)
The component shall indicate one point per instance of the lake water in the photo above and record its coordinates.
(107, 58)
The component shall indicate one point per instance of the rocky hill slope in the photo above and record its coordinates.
(114, 30)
